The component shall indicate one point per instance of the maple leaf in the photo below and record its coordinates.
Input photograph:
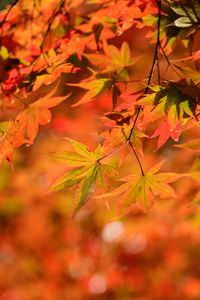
(113, 59)
(177, 23)
(11, 136)
(131, 100)
(52, 72)
(187, 16)
(95, 88)
(171, 100)
(38, 113)
(141, 189)
(99, 82)
(113, 67)
(89, 171)
(164, 132)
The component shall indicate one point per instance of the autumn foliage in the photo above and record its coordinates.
(100, 112)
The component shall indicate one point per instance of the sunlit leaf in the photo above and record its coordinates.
(85, 189)
(174, 100)
(164, 132)
(88, 170)
(139, 189)
(183, 22)
(12, 135)
(38, 113)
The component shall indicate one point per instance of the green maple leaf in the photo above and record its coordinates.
(170, 100)
(141, 189)
(179, 22)
(87, 172)
(86, 189)
(112, 68)
(94, 87)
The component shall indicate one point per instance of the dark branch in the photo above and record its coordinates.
(152, 67)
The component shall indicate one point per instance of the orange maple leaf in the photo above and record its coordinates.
(12, 137)
(38, 113)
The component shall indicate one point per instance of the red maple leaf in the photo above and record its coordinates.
(164, 132)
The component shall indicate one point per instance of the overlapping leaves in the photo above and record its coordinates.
(113, 67)
(188, 14)
(38, 113)
(172, 100)
(178, 20)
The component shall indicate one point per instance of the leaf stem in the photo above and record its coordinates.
(155, 58)
(135, 153)
(114, 151)
(169, 63)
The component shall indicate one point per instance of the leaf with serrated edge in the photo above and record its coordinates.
(85, 190)
(98, 152)
(82, 150)
(139, 188)
(71, 179)
(88, 170)
(100, 177)
(70, 158)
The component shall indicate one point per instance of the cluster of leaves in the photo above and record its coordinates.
(81, 44)
(180, 22)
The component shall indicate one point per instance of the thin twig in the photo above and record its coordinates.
(155, 58)
(152, 67)
(168, 61)
(158, 70)
(114, 151)
(135, 153)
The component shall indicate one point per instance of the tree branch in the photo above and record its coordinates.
(152, 67)
(155, 58)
